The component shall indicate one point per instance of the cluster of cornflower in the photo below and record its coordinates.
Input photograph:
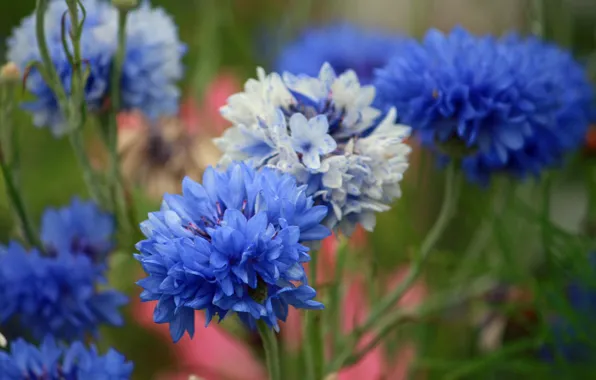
(339, 143)
(58, 292)
(55, 292)
(307, 152)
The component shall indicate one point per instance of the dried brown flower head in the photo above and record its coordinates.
(156, 156)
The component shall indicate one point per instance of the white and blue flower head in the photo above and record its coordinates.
(325, 132)
(52, 361)
(230, 244)
(151, 67)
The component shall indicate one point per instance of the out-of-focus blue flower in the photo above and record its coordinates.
(153, 62)
(516, 105)
(573, 331)
(352, 162)
(151, 68)
(345, 46)
(55, 295)
(231, 244)
(54, 362)
(80, 228)
(98, 52)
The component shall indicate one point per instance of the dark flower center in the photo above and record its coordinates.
(259, 294)
(311, 108)
(158, 150)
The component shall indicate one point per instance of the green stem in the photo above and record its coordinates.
(450, 200)
(18, 205)
(208, 45)
(334, 311)
(546, 222)
(271, 350)
(53, 80)
(89, 175)
(513, 350)
(115, 176)
(313, 339)
(438, 303)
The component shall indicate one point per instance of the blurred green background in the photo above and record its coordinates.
(237, 35)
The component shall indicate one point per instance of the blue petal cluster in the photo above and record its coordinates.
(53, 362)
(514, 105)
(344, 46)
(55, 295)
(151, 68)
(80, 228)
(324, 131)
(232, 244)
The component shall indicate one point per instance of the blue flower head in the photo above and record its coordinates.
(513, 105)
(80, 228)
(151, 67)
(345, 46)
(324, 131)
(51, 361)
(153, 62)
(55, 295)
(232, 244)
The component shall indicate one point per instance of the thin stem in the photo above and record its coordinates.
(208, 45)
(271, 350)
(440, 302)
(545, 218)
(18, 204)
(450, 200)
(54, 81)
(115, 176)
(312, 340)
(334, 311)
(119, 60)
(78, 146)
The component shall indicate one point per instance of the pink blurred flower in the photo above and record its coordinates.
(213, 354)
(206, 115)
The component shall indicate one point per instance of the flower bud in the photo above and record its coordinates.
(10, 73)
(125, 5)
(3, 341)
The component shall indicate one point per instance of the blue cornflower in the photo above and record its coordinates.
(153, 62)
(573, 330)
(345, 46)
(510, 105)
(324, 131)
(232, 244)
(55, 295)
(151, 67)
(55, 362)
(80, 228)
